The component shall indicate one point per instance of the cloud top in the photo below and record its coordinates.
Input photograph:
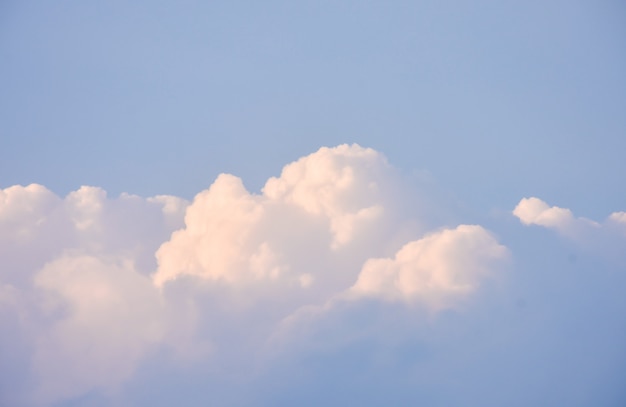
(329, 198)
(438, 270)
(534, 211)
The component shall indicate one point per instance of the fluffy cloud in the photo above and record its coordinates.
(36, 226)
(97, 291)
(227, 237)
(438, 270)
(103, 297)
(110, 317)
(618, 217)
(75, 272)
(534, 211)
(605, 237)
(328, 200)
(347, 185)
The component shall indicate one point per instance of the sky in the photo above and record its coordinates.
(312, 203)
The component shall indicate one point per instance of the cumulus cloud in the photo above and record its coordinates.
(618, 221)
(221, 240)
(101, 297)
(36, 225)
(110, 317)
(101, 286)
(75, 271)
(534, 211)
(605, 237)
(438, 270)
(346, 185)
(330, 199)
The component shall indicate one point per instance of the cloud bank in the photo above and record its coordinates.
(95, 290)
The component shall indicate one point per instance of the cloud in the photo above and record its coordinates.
(326, 201)
(617, 222)
(99, 281)
(111, 317)
(606, 238)
(618, 217)
(534, 211)
(346, 184)
(36, 225)
(339, 264)
(438, 270)
(75, 273)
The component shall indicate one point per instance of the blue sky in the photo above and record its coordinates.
(467, 109)
(494, 100)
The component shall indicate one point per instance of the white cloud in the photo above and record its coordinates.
(345, 184)
(534, 211)
(111, 317)
(36, 226)
(102, 283)
(438, 270)
(75, 272)
(218, 241)
(618, 219)
(23, 210)
(605, 237)
(328, 199)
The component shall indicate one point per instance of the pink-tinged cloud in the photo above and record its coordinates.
(102, 284)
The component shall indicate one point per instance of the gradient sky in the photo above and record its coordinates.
(475, 106)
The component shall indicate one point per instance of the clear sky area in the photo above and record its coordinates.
(317, 203)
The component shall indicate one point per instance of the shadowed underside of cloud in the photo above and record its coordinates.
(337, 259)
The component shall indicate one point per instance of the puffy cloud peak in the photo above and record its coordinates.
(217, 242)
(24, 209)
(232, 235)
(618, 217)
(534, 211)
(345, 184)
(606, 238)
(85, 206)
(438, 270)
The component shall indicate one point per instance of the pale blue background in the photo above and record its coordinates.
(497, 100)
